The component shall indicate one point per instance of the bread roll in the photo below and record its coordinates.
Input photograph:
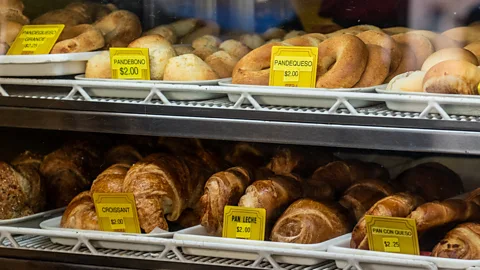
(464, 35)
(460, 243)
(234, 48)
(119, 28)
(411, 82)
(63, 16)
(183, 27)
(449, 54)
(452, 77)
(274, 33)
(79, 38)
(181, 50)
(222, 63)
(252, 41)
(99, 66)
(309, 222)
(163, 31)
(475, 49)
(188, 67)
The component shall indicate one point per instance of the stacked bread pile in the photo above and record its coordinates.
(360, 56)
(11, 22)
(206, 59)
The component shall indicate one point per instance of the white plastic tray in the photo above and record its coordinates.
(301, 101)
(199, 234)
(120, 92)
(44, 64)
(343, 247)
(32, 221)
(54, 224)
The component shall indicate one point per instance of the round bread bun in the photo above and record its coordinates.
(396, 30)
(341, 61)
(420, 45)
(449, 54)
(408, 82)
(222, 63)
(346, 31)
(452, 77)
(9, 31)
(408, 63)
(385, 41)
(63, 16)
(183, 27)
(188, 67)
(377, 68)
(234, 48)
(79, 38)
(205, 46)
(252, 41)
(99, 66)
(438, 41)
(12, 4)
(181, 50)
(292, 34)
(159, 50)
(274, 33)
(365, 27)
(163, 31)
(206, 28)
(119, 28)
(464, 35)
(474, 47)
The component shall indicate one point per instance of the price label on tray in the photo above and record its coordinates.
(244, 223)
(396, 235)
(130, 63)
(117, 212)
(293, 66)
(36, 39)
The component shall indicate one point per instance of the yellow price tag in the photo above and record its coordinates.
(244, 223)
(293, 66)
(117, 212)
(130, 63)
(388, 234)
(36, 39)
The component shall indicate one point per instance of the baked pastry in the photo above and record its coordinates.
(408, 63)
(22, 187)
(159, 51)
(474, 47)
(309, 222)
(205, 46)
(252, 41)
(464, 35)
(99, 66)
(436, 214)
(411, 82)
(188, 67)
(297, 160)
(119, 28)
(183, 27)
(449, 54)
(94, 11)
(363, 194)
(433, 181)
(222, 189)
(222, 63)
(274, 33)
(80, 213)
(452, 77)
(460, 243)
(110, 180)
(63, 16)
(397, 205)
(164, 31)
(122, 154)
(79, 38)
(9, 31)
(420, 45)
(378, 38)
(235, 48)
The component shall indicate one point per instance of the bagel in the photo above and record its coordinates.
(475, 49)
(222, 63)
(188, 67)
(420, 45)
(181, 50)
(9, 31)
(396, 30)
(411, 82)
(449, 54)
(464, 35)
(99, 66)
(252, 41)
(408, 63)
(63, 16)
(119, 28)
(438, 41)
(12, 4)
(274, 33)
(385, 41)
(159, 51)
(183, 27)
(79, 38)
(377, 68)
(206, 28)
(234, 48)
(452, 77)
(163, 31)
(13, 15)
(341, 61)
(294, 33)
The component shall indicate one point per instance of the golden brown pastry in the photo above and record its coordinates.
(222, 63)
(362, 195)
(122, 154)
(397, 205)
(474, 47)
(298, 160)
(80, 213)
(252, 41)
(188, 67)
(110, 180)
(163, 31)
(79, 38)
(99, 66)
(449, 54)
(460, 243)
(63, 16)
(432, 181)
(205, 46)
(119, 28)
(222, 189)
(9, 31)
(435, 214)
(452, 77)
(309, 222)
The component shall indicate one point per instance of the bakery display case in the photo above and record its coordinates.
(137, 133)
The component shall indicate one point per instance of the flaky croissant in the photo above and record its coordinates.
(223, 188)
(460, 243)
(309, 222)
(397, 205)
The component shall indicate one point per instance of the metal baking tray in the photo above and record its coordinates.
(44, 65)
(291, 100)
(125, 92)
(32, 221)
(199, 234)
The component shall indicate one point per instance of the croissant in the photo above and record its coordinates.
(397, 205)
(309, 222)
(474, 196)
(274, 195)
(122, 154)
(363, 195)
(435, 214)
(432, 181)
(22, 191)
(80, 213)
(223, 188)
(460, 243)
(297, 160)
